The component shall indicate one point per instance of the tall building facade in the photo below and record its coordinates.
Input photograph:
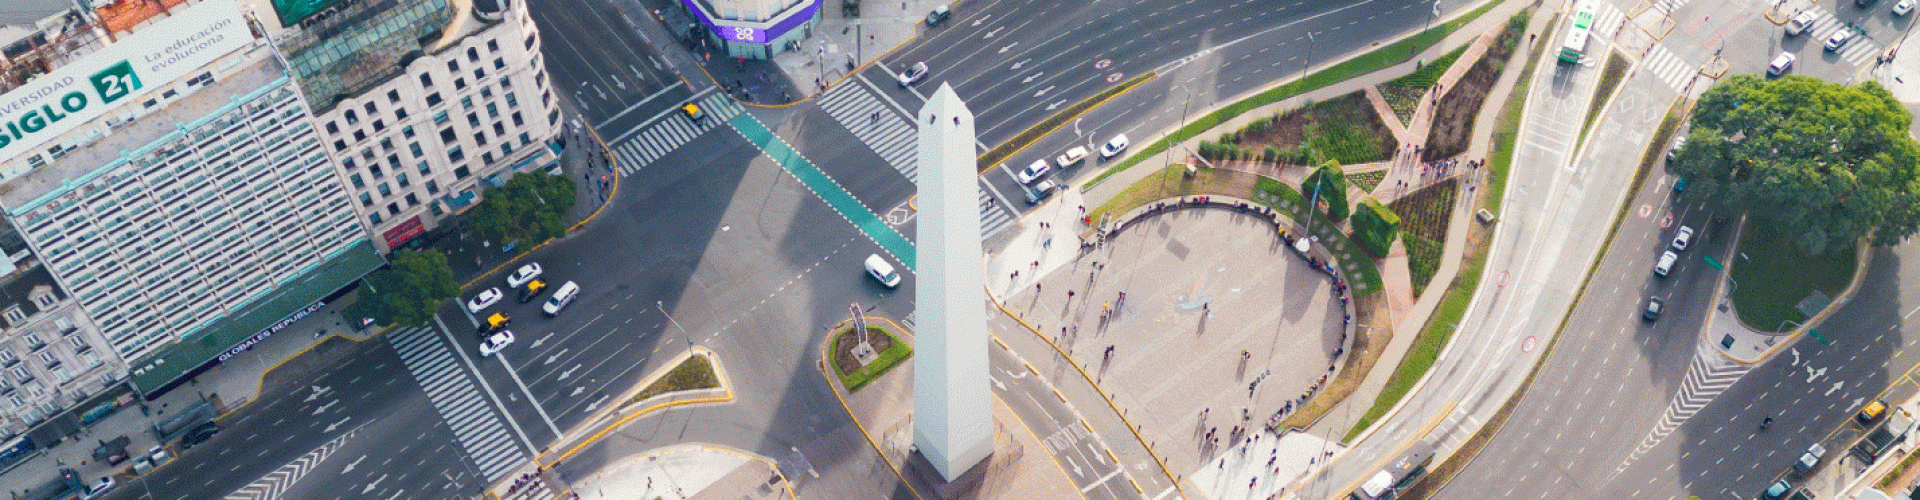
(755, 29)
(423, 103)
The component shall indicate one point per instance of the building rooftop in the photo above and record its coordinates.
(343, 52)
(128, 139)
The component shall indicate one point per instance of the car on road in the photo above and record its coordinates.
(1801, 22)
(100, 489)
(1810, 459)
(1781, 63)
(486, 298)
(939, 15)
(1871, 411)
(913, 74)
(693, 112)
(1652, 313)
(1665, 264)
(1682, 238)
(1903, 7)
(1041, 191)
(496, 342)
(561, 297)
(1680, 185)
(881, 270)
(1840, 38)
(158, 454)
(1072, 156)
(532, 290)
(1034, 172)
(1677, 144)
(523, 275)
(496, 321)
(199, 434)
(1776, 490)
(1114, 146)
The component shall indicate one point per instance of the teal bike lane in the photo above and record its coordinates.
(825, 188)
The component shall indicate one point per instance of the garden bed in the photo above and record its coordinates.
(1343, 129)
(1424, 216)
(854, 376)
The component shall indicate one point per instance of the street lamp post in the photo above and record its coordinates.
(676, 324)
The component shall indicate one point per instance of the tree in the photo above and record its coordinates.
(1333, 191)
(529, 207)
(1825, 163)
(405, 291)
(1375, 226)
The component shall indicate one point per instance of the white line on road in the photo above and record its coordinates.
(1103, 479)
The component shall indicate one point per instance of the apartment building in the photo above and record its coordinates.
(755, 28)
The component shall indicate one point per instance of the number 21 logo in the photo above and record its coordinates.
(115, 82)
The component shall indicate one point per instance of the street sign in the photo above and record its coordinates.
(1714, 263)
(1816, 336)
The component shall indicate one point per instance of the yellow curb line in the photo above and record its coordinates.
(824, 363)
(1036, 438)
(276, 366)
(1150, 74)
(619, 403)
(1096, 386)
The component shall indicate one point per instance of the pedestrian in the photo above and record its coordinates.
(1069, 294)
(1036, 289)
(1016, 274)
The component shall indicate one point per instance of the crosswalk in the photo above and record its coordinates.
(472, 419)
(672, 131)
(1608, 23)
(1855, 53)
(1665, 7)
(891, 136)
(1668, 67)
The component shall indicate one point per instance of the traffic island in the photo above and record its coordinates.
(857, 360)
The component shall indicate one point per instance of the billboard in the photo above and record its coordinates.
(56, 102)
(748, 32)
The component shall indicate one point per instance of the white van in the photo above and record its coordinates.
(883, 271)
(560, 299)
(1666, 263)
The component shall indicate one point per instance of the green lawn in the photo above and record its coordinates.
(1509, 128)
(894, 354)
(694, 373)
(1426, 347)
(1773, 276)
(1610, 77)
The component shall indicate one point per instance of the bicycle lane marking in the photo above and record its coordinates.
(825, 188)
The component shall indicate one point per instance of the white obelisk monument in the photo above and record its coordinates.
(952, 410)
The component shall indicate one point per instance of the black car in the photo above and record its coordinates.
(199, 435)
(1654, 305)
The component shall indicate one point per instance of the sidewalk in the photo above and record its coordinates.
(686, 472)
(826, 57)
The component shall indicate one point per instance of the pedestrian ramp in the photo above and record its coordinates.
(475, 425)
(671, 131)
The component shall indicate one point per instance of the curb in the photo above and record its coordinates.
(833, 383)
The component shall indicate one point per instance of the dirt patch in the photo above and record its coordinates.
(1344, 128)
(1452, 130)
(843, 355)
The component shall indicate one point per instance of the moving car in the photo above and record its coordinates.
(913, 74)
(881, 270)
(1034, 172)
(532, 290)
(1682, 238)
(1840, 38)
(485, 299)
(498, 341)
(1803, 21)
(495, 322)
(561, 297)
(693, 112)
(1654, 304)
(199, 434)
(1665, 264)
(1041, 191)
(939, 15)
(1781, 63)
(523, 275)
(1072, 156)
(1114, 146)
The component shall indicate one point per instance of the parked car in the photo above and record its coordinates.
(939, 15)
(495, 343)
(158, 454)
(199, 434)
(881, 270)
(1871, 411)
(1803, 21)
(523, 275)
(1072, 156)
(1682, 238)
(1034, 172)
(913, 74)
(486, 298)
(1810, 459)
(1903, 7)
(100, 489)
(1776, 490)
(1114, 146)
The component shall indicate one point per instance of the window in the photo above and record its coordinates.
(374, 217)
(412, 200)
(366, 200)
(393, 95)
(371, 110)
(459, 83)
(33, 339)
(393, 161)
(506, 148)
(506, 83)
(461, 172)
(499, 128)
(63, 324)
(433, 99)
(333, 128)
(513, 101)
(479, 74)
(424, 170)
(347, 162)
(358, 183)
(466, 102)
(516, 118)
(426, 80)
(339, 145)
(455, 155)
(499, 63)
(486, 92)
(393, 209)
(359, 135)
(379, 125)
(386, 144)
(375, 170)
(7, 357)
(524, 138)
(473, 120)
(446, 135)
(486, 158)
(546, 98)
(368, 154)
(435, 206)
(401, 177)
(20, 374)
(48, 359)
(473, 54)
(453, 65)
(77, 342)
(480, 138)
(493, 46)
(415, 149)
(400, 113)
(384, 190)
(493, 111)
(352, 118)
(407, 132)
(529, 42)
(440, 118)
(553, 117)
(432, 188)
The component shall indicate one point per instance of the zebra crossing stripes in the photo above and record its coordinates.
(1668, 67)
(893, 138)
(1666, 7)
(1855, 53)
(465, 411)
(671, 132)
(275, 484)
(993, 217)
(1608, 22)
(1709, 375)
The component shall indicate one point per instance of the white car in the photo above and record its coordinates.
(485, 299)
(881, 270)
(913, 74)
(1665, 265)
(1903, 7)
(1781, 63)
(1682, 238)
(496, 342)
(523, 275)
(1840, 39)
(1034, 172)
(158, 455)
(1803, 21)
(1114, 147)
(1072, 156)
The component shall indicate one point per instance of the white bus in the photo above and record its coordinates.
(1579, 27)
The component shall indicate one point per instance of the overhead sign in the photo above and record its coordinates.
(55, 103)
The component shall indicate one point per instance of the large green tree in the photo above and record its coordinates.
(1823, 163)
(405, 291)
(1331, 180)
(528, 208)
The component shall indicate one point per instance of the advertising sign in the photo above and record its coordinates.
(57, 102)
(756, 32)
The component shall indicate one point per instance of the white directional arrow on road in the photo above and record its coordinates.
(1836, 386)
(1043, 91)
(542, 340)
(1008, 47)
(1031, 77)
(317, 392)
(596, 403)
(1796, 357)
(1018, 65)
(997, 383)
(569, 372)
(373, 484)
(323, 408)
(1075, 464)
(354, 463)
(554, 357)
(1050, 107)
(981, 19)
(995, 31)
(1814, 373)
(336, 425)
(577, 390)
